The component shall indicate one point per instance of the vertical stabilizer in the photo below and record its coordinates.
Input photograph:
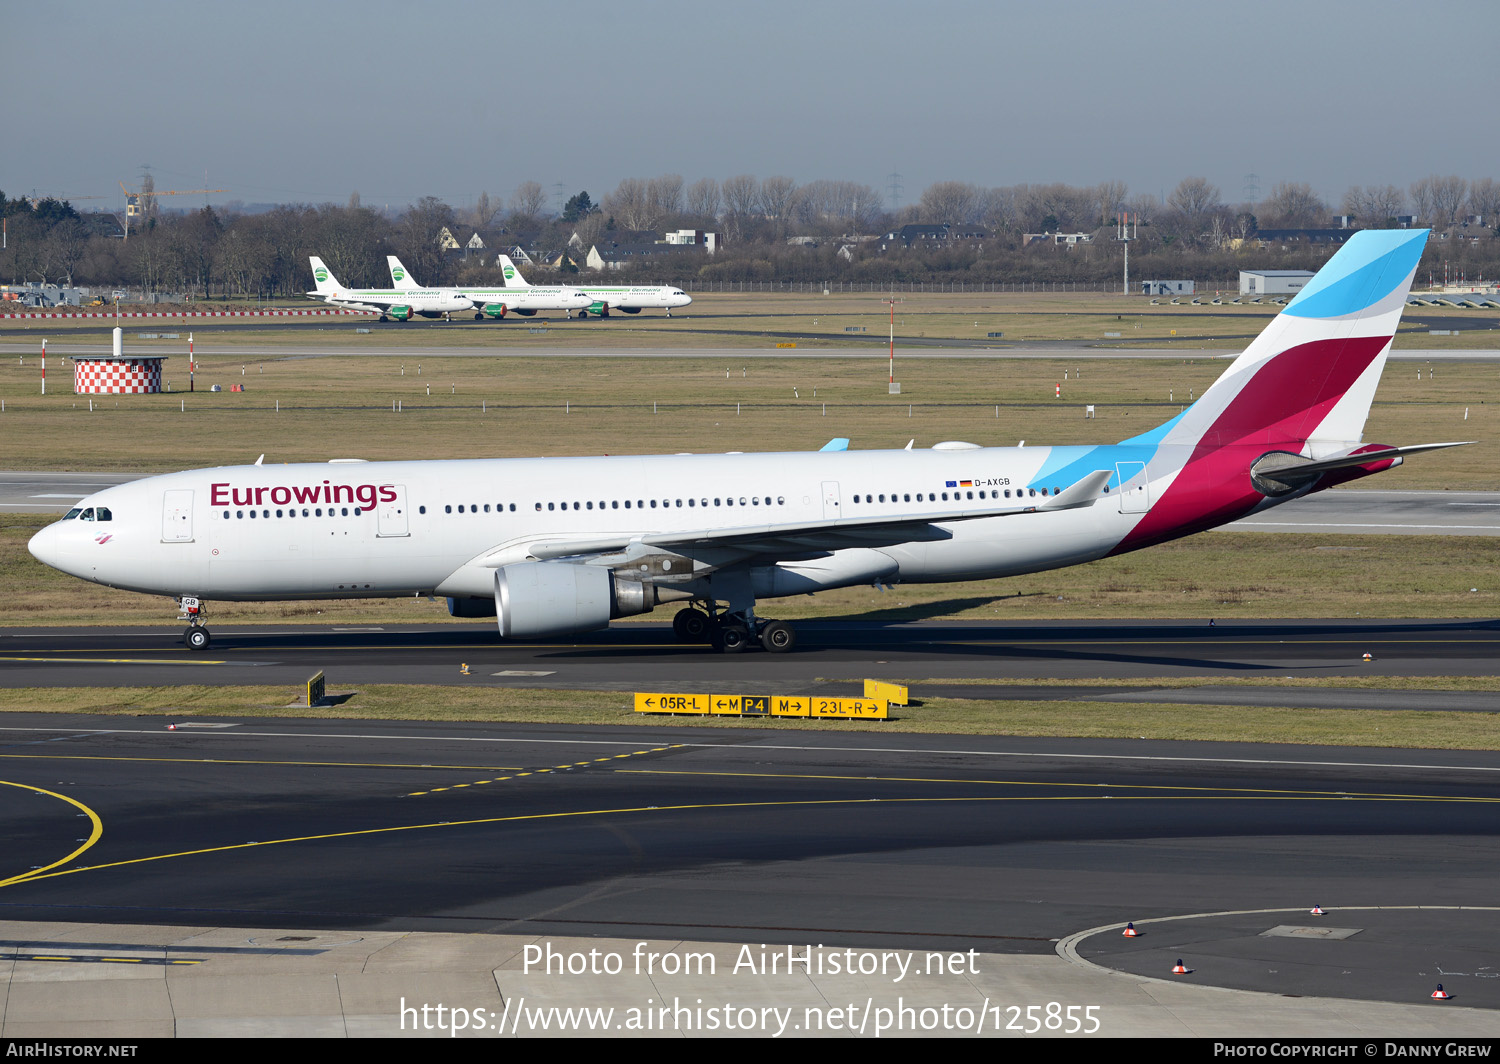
(513, 278)
(1307, 381)
(401, 278)
(327, 284)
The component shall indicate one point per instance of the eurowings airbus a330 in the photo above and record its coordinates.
(553, 546)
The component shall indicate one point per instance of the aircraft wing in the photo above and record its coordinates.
(779, 539)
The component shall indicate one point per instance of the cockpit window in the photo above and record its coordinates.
(88, 515)
(74, 512)
(102, 513)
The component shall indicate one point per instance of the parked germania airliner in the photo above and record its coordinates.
(630, 298)
(552, 546)
(498, 302)
(400, 304)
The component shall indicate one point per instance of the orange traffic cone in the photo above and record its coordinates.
(1441, 994)
(1368, 657)
(1178, 969)
(464, 669)
(1131, 932)
(1316, 910)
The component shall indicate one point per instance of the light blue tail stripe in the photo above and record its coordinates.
(1366, 270)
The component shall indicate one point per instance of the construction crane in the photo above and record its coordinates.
(135, 207)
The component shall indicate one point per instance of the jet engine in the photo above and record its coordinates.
(495, 310)
(534, 599)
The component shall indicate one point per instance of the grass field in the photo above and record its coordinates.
(1165, 720)
(480, 407)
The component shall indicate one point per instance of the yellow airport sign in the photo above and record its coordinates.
(849, 708)
(762, 706)
(881, 691)
(784, 706)
(670, 703)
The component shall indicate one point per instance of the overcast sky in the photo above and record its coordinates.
(308, 102)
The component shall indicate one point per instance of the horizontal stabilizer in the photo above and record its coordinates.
(1280, 473)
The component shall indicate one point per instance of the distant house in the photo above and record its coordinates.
(1303, 236)
(617, 256)
(709, 242)
(1059, 239)
(445, 240)
(1168, 288)
(932, 235)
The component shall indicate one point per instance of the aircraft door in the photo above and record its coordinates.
(1135, 498)
(391, 516)
(831, 500)
(177, 516)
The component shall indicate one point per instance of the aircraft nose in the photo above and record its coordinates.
(44, 547)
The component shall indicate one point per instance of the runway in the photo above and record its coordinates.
(1005, 846)
(832, 657)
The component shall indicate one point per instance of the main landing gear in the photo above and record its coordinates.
(196, 635)
(732, 633)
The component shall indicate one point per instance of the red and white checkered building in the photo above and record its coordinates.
(127, 375)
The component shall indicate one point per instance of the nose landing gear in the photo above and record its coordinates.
(196, 636)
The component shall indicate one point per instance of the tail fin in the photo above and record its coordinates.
(1308, 379)
(513, 278)
(401, 278)
(327, 284)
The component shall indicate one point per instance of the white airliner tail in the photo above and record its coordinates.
(1310, 376)
(512, 275)
(327, 284)
(401, 278)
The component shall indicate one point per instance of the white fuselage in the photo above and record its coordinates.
(528, 299)
(443, 527)
(425, 301)
(638, 297)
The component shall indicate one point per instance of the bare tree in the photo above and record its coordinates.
(664, 194)
(1484, 200)
(1111, 197)
(1374, 206)
(703, 198)
(951, 202)
(1448, 196)
(527, 202)
(1194, 197)
(1421, 199)
(1293, 205)
(631, 204)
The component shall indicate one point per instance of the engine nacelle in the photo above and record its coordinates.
(526, 312)
(599, 308)
(629, 310)
(494, 310)
(400, 313)
(535, 599)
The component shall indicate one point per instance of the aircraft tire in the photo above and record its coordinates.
(691, 626)
(197, 637)
(732, 639)
(778, 637)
